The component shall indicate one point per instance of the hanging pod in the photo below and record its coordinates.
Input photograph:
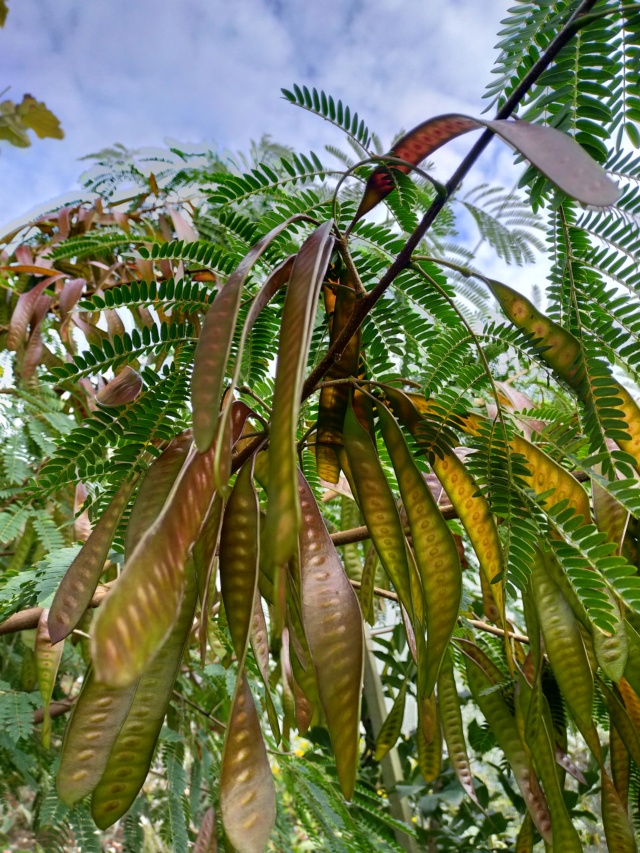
(283, 510)
(564, 647)
(452, 727)
(340, 299)
(48, 658)
(137, 616)
(130, 757)
(378, 507)
(434, 547)
(333, 628)
(76, 589)
(504, 727)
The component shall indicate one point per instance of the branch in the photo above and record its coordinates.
(365, 305)
(24, 620)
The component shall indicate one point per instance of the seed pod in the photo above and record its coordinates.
(476, 517)
(247, 795)
(564, 647)
(273, 283)
(632, 669)
(554, 153)
(207, 840)
(378, 507)
(620, 764)
(430, 751)
(76, 589)
(136, 618)
(433, 545)
(621, 720)
(260, 645)
(617, 828)
(452, 728)
(205, 562)
(565, 836)
(214, 344)
(239, 555)
(367, 585)
(154, 490)
(48, 658)
(525, 839)
(283, 510)
(504, 727)
(350, 517)
(335, 398)
(333, 628)
(131, 755)
(611, 650)
(392, 727)
(563, 353)
(96, 719)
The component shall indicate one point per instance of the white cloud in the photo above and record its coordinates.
(139, 72)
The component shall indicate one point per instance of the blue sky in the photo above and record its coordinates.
(139, 73)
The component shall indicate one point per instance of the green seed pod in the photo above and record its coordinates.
(239, 556)
(430, 751)
(476, 517)
(565, 836)
(333, 627)
(76, 589)
(283, 511)
(247, 795)
(505, 729)
(452, 728)
(525, 839)
(48, 658)
(622, 721)
(378, 507)
(96, 720)
(350, 517)
(617, 828)
(367, 585)
(434, 547)
(391, 728)
(620, 764)
(131, 755)
(564, 647)
(563, 353)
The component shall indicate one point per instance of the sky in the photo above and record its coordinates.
(140, 73)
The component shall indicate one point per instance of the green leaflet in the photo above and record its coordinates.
(214, 344)
(555, 154)
(130, 757)
(48, 658)
(378, 507)
(333, 628)
(392, 725)
(435, 550)
(283, 510)
(76, 589)
(247, 795)
(141, 610)
(91, 732)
